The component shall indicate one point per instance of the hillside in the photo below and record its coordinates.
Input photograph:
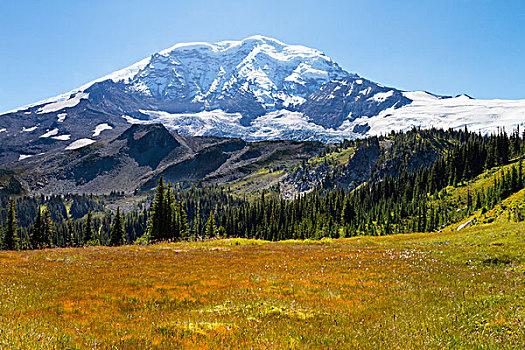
(135, 159)
(473, 209)
(422, 180)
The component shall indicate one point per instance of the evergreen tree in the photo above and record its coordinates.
(210, 228)
(88, 232)
(42, 230)
(2, 235)
(68, 239)
(48, 227)
(11, 232)
(170, 230)
(181, 221)
(197, 222)
(37, 234)
(159, 219)
(117, 231)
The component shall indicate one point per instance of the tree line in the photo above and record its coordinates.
(412, 201)
(407, 200)
(75, 221)
(43, 230)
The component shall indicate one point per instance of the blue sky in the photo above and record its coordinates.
(443, 46)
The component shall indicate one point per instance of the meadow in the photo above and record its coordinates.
(443, 290)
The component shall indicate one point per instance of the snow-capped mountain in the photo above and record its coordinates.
(255, 89)
(205, 75)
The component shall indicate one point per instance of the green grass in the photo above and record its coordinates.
(338, 157)
(250, 186)
(455, 199)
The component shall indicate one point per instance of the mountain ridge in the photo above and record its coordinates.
(255, 89)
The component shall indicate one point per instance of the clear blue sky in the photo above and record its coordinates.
(443, 46)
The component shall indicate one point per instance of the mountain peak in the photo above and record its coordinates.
(257, 88)
(249, 42)
(148, 144)
(208, 76)
(259, 37)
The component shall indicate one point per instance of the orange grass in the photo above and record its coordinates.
(382, 292)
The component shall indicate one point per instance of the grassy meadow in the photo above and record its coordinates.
(452, 290)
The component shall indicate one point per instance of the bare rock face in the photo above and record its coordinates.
(349, 99)
(148, 144)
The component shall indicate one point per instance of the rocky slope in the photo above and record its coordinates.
(136, 158)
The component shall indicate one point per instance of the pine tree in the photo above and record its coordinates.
(117, 231)
(88, 232)
(170, 221)
(2, 235)
(210, 228)
(181, 221)
(42, 230)
(197, 222)
(158, 218)
(347, 212)
(37, 234)
(48, 227)
(11, 232)
(69, 238)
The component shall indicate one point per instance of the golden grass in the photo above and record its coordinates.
(444, 290)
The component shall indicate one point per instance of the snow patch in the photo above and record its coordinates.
(277, 125)
(101, 127)
(3, 130)
(50, 133)
(132, 120)
(67, 103)
(382, 96)
(465, 224)
(61, 117)
(124, 75)
(31, 129)
(79, 144)
(289, 101)
(420, 96)
(62, 137)
(216, 122)
(24, 156)
(427, 111)
(365, 91)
